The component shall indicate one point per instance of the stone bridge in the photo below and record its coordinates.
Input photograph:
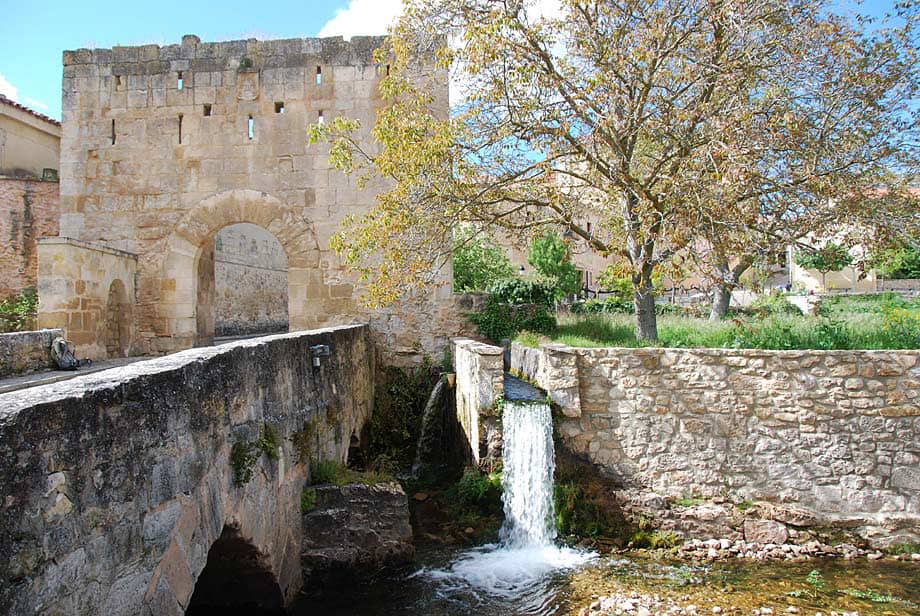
(118, 495)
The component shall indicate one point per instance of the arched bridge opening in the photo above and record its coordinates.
(237, 579)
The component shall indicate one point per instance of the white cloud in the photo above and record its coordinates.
(7, 89)
(363, 17)
(34, 104)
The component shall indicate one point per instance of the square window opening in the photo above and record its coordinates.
(207, 111)
(279, 107)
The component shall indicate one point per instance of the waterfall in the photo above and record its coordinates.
(527, 475)
(519, 568)
(427, 435)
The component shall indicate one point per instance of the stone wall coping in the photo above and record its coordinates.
(87, 245)
(13, 402)
(48, 330)
(14, 178)
(192, 48)
(790, 354)
(475, 346)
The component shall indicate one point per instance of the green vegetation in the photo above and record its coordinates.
(243, 456)
(898, 262)
(399, 402)
(17, 313)
(584, 502)
(883, 321)
(516, 305)
(478, 262)
(688, 501)
(745, 505)
(903, 548)
(330, 471)
(816, 581)
(269, 442)
(831, 257)
(549, 255)
(869, 595)
(654, 539)
(479, 491)
(307, 500)
(303, 440)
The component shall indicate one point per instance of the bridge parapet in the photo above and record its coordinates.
(115, 485)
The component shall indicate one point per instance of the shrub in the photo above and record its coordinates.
(513, 306)
(17, 313)
(478, 490)
(774, 304)
(523, 291)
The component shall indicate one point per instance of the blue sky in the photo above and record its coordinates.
(33, 33)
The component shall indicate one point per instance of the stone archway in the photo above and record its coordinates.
(117, 332)
(192, 240)
(237, 578)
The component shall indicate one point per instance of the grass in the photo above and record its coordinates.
(330, 471)
(883, 321)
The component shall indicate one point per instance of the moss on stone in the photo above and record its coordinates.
(243, 456)
(307, 500)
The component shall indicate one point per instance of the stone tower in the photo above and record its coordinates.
(164, 146)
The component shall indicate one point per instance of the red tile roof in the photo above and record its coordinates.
(38, 115)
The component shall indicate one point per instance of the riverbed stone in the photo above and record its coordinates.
(355, 528)
(765, 531)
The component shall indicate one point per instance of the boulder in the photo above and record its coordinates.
(765, 531)
(353, 529)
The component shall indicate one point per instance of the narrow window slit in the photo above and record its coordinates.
(319, 75)
(319, 117)
(113, 131)
(179, 82)
(252, 127)
(279, 107)
(207, 111)
(180, 128)
(388, 70)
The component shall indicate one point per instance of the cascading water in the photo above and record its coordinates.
(528, 464)
(520, 567)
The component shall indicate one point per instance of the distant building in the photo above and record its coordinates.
(30, 142)
(30, 152)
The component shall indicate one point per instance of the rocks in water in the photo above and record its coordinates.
(765, 531)
(715, 549)
(355, 528)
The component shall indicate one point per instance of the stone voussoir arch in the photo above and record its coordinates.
(198, 227)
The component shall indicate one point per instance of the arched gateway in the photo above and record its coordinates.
(181, 278)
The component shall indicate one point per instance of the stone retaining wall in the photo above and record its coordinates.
(837, 432)
(480, 383)
(26, 351)
(115, 485)
(906, 285)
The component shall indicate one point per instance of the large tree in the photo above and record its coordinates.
(669, 123)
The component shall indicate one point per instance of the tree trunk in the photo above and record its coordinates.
(721, 299)
(728, 278)
(644, 301)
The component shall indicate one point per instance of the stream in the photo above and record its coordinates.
(527, 572)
